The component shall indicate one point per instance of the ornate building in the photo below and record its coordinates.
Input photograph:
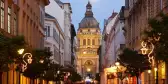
(137, 13)
(88, 36)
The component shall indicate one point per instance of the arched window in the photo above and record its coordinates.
(84, 42)
(97, 31)
(93, 42)
(88, 42)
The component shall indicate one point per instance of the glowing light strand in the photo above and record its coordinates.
(144, 50)
(151, 58)
(29, 61)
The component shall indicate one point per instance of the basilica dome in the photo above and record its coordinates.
(89, 21)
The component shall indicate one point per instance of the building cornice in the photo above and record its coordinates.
(46, 2)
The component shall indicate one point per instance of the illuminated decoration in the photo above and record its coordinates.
(58, 72)
(29, 61)
(144, 50)
(117, 63)
(151, 58)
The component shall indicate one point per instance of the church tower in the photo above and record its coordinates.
(88, 36)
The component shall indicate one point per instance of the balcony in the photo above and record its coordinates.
(89, 46)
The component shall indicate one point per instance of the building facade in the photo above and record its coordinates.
(63, 13)
(137, 14)
(31, 21)
(21, 17)
(67, 31)
(54, 39)
(88, 37)
(113, 43)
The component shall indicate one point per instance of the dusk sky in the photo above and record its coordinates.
(102, 9)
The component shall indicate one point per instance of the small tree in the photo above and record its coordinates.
(74, 77)
(158, 35)
(36, 68)
(135, 63)
(8, 51)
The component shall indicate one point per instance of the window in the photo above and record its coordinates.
(41, 15)
(9, 20)
(84, 42)
(47, 31)
(89, 9)
(80, 31)
(56, 35)
(93, 42)
(2, 14)
(61, 43)
(47, 48)
(97, 31)
(88, 41)
(15, 25)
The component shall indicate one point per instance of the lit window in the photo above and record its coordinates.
(2, 14)
(9, 19)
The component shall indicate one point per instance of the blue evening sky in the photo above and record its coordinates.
(102, 9)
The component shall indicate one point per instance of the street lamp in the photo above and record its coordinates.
(58, 72)
(117, 65)
(155, 69)
(20, 51)
(149, 72)
(29, 59)
(41, 61)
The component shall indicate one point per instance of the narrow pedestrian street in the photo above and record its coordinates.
(83, 42)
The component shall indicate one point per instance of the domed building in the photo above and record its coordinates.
(88, 36)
